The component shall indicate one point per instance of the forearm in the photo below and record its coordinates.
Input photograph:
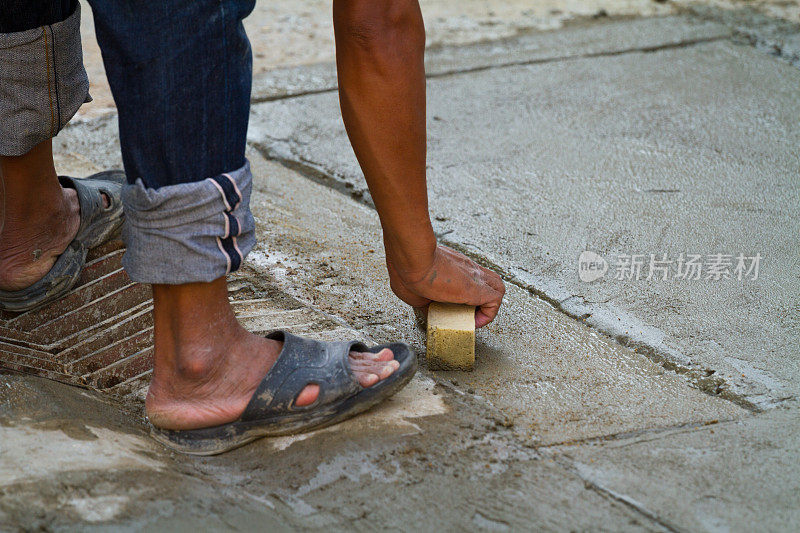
(380, 48)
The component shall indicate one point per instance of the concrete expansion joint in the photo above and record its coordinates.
(629, 438)
(258, 99)
(314, 173)
(276, 97)
(615, 496)
(590, 55)
(492, 413)
(703, 379)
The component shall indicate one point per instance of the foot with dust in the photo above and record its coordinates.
(207, 367)
(41, 217)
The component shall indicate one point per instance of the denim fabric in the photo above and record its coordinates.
(180, 72)
(22, 15)
(206, 225)
(42, 79)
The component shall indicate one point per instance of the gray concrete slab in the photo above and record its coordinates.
(71, 459)
(554, 377)
(576, 141)
(579, 39)
(289, 36)
(687, 150)
(735, 476)
(569, 382)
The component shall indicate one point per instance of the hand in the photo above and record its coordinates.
(451, 278)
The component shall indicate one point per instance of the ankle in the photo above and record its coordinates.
(195, 359)
(40, 219)
(194, 329)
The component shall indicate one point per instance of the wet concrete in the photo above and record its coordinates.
(293, 46)
(667, 152)
(760, 453)
(425, 458)
(560, 427)
(291, 33)
(554, 378)
(579, 39)
(72, 459)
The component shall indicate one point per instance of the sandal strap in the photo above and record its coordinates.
(57, 281)
(90, 199)
(304, 362)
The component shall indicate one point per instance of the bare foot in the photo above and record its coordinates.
(207, 367)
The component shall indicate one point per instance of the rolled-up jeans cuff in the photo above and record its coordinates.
(190, 232)
(42, 83)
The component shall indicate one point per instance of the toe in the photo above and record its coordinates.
(365, 379)
(369, 368)
(384, 355)
(307, 396)
(388, 369)
(370, 372)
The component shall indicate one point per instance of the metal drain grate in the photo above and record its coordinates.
(100, 335)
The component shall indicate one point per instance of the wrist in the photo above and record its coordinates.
(411, 254)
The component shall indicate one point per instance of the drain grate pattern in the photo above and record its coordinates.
(100, 335)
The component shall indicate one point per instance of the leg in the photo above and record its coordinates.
(182, 87)
(380, 47)
(41, 217)
(41, 87)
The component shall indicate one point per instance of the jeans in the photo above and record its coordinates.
(180, 72)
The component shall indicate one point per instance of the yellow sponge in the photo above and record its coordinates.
(451, 336)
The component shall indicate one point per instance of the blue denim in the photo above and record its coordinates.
(23, 15)
(206, 225)
(180, 72)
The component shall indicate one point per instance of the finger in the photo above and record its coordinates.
(481, 318)
(486, 313)
(494, 280)
(412, 299)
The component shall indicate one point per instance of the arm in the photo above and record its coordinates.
(380, 46)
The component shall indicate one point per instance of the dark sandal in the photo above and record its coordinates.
(271, 411)
(98, 224)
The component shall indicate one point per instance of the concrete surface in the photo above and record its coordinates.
(664, 152)
(419, 461)
(760, 453)
(554, 378)
(287, 34)
(603, 406)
